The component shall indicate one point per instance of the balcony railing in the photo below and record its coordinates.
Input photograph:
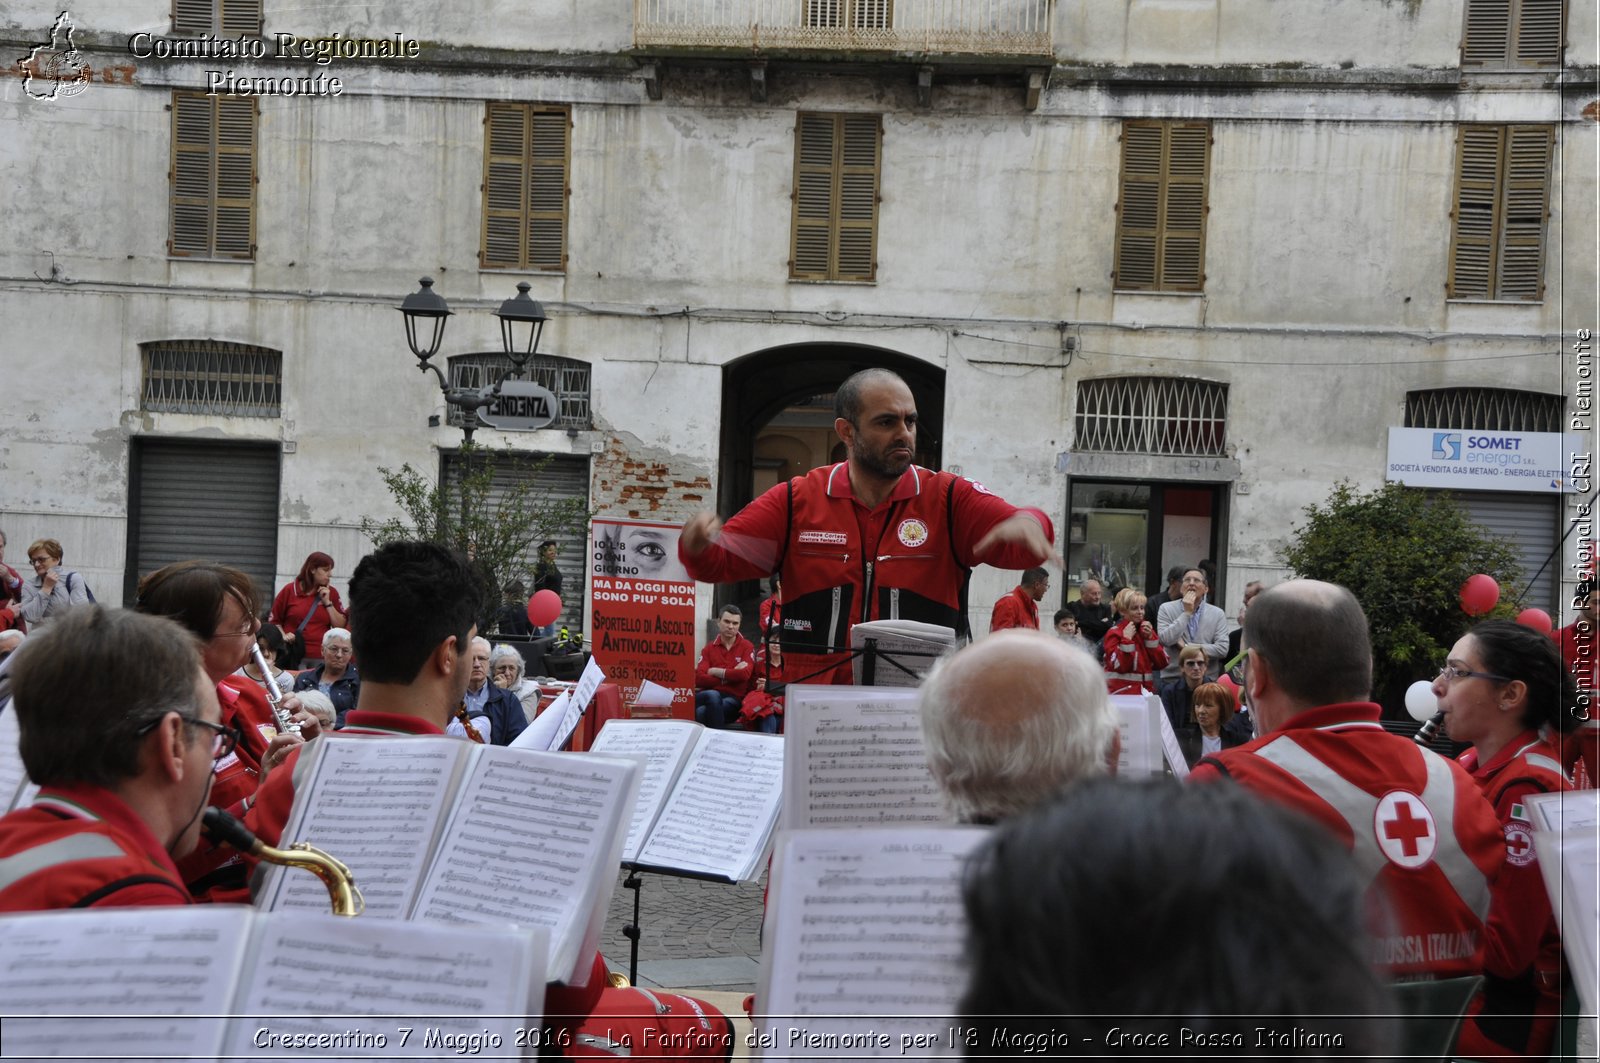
(962, 27)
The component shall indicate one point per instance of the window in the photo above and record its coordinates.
(836, 163)
(213, 176)
(565, 378)
(205, 376)
(1484, 410)
(191, 18)
(1502, 196)
(1161, 211)
(526, 155)
(1152, 415)
(1511, 34)
(854, 14)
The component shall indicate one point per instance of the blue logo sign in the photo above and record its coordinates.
(1447, 445)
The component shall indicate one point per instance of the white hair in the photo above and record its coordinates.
(337, 634)
(319, 705)
(479, 640)
(11, 638)
(1013, 719)
(504, 652)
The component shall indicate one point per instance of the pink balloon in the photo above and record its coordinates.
(1479, 594)
(543, 608)
(1230, 686)
(1537, 619)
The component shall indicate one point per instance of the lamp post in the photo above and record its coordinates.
(521, 326)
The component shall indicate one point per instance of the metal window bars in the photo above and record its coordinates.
(1152, 415)
(566, 378)
(210, 377)
(1484, 409)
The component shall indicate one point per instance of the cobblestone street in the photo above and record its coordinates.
(694, 934)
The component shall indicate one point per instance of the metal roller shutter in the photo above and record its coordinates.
(216, 502)
(1529, 523)
(566, 477)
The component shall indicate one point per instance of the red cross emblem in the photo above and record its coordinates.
(1405, 829)
(1519, 844)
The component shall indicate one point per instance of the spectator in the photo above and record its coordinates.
(1094, 615)
(320, 705)
(1210, 728)
(723, 676)
(1066, 627)
(513, 616)
(770, 613)
(762, 708)
(1011, 720)
(121, 729)
(547, 577)
(336, 677)
(270, 639)
(1174, 591)
(305, 608)
(1132, 654)
(506, 667)
(10, 593)
(10, 641)
(1020, 608)
(53, 589)
(1193, 620)
(504, 711)
(1177, 694)
(1236, 636)
(1427, 842)
(1215, 875)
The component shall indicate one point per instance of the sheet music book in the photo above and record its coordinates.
(1139, 718)
(1569, 860)
(906, 649)
(854, 757)
(708, 799)
(864, 935)
(554, 726)
(206, 981)
(442, 830)
(13, 776)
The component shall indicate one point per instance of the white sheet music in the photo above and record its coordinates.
(854, 756)
(906, 649)
(1141, 735)
(171, 963)
(535, 838)
(541, 732)
(865, 922)
(1570, 865)
(452, 982)
(582, 695)
(13, 776)
(722, 810)
(378, 804)
(1565, 811)
(1170, 749)
(665, 744)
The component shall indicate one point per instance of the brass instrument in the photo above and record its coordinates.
(286, 723)
(223, 829)
(466, 722)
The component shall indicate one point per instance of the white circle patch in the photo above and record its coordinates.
(1519, 844)
(912, 532)
(1405, 829)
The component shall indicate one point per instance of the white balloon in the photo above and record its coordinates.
(1420, 702)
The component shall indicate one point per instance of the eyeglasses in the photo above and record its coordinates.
(225, 739)
(252, 627)
(1450, 673)
(37, 561)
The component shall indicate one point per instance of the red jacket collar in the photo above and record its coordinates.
(96, 803)
(838, 484)
(1344, 713)
(387, 723)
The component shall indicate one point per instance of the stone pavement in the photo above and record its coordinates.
(695, 934)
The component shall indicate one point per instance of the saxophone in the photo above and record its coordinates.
(223, 829)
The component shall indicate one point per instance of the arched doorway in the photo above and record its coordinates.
(795, 382)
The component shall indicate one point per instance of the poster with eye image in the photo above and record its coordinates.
(642, 604)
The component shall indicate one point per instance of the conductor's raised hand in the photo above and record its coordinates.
(1021, 529)
(699, 532)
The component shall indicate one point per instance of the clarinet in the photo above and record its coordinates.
(466, 722)
(286, 722)
(1425, 733)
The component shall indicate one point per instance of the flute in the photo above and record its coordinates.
(274, 695)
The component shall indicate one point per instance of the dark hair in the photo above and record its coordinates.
(272, 635)
(1216, 693)
(1058, 898)
(405, 599)
(314, 560)
(1062, 614)
(847, 399)
(193, 593)
(1175, 573)
(83, 686)
(1314, 635)
(1034, 576)
(729, 608)
(1518, 652)
(547, 542)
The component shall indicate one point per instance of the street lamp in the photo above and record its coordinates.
(521, 326)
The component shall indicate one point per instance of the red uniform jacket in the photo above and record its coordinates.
(1131, 663)
(82, 847)
(1422, 834)
(1017, 609)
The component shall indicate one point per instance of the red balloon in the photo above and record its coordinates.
(1479, 594)
(1537, 619)
(543, 608)
(1230, 686)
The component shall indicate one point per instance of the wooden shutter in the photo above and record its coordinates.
(230, 18)
(1502, 196)
(837, 161)
(1540, 29)
(1487, 32)
(1502, 34)
(213, 176)
(525, 187)
(1161, 212)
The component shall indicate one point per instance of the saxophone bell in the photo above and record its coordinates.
(345, 897)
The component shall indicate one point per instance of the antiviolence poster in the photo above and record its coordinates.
(643, 609)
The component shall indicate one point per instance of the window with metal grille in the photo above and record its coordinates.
(1161, 206)
(225, 17)
(213, 176)
(1513, 34)
(855, 14)
(565, 378)
(1152, 415)
(526, 158)
(835, 228)
(204, 376)
(1484, 409)
(1501, 199)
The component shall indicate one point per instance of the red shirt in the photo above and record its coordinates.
(1017, 609)
(716, 655)
(289, 608)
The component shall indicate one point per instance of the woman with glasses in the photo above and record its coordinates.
(1504, 691)
(335, 676)
(53, 589)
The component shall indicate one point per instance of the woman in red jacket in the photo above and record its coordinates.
(306, 608)
(1134, 655)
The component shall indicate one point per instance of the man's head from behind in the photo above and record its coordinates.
(87, 689)
(406, 598)
(1012, 719)
(1309, 646)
